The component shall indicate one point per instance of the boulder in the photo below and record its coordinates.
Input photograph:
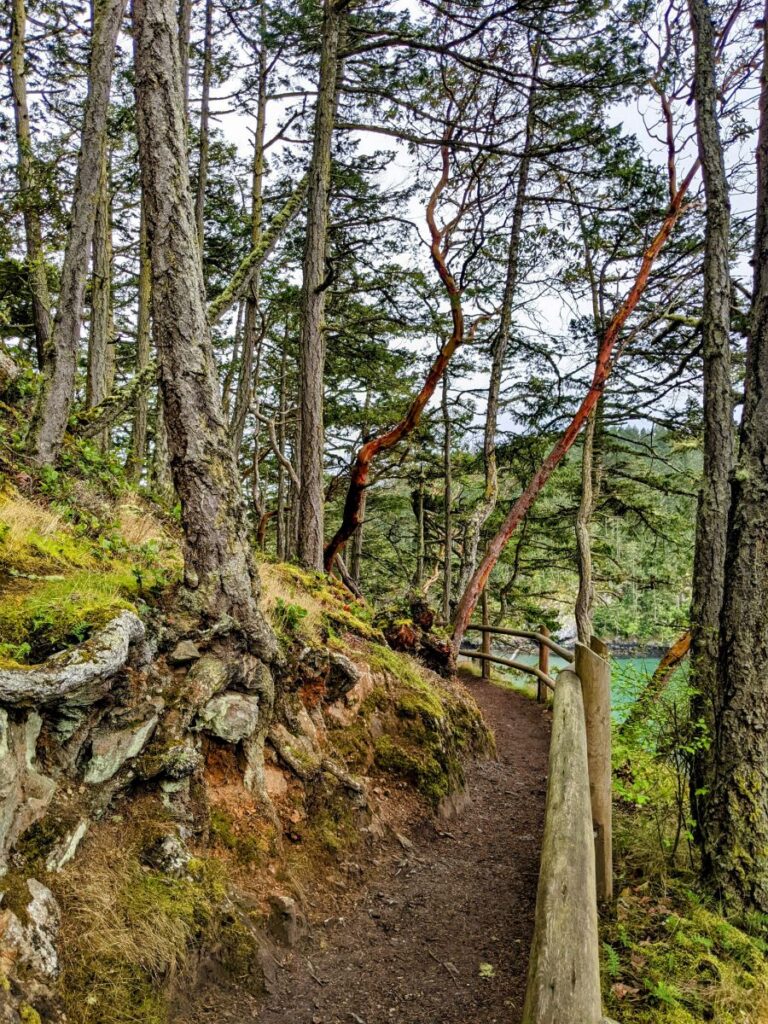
(111, 748)
(230, 716)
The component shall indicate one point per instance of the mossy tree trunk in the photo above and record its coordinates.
(219, 570)
(714, 496)
(735, 825)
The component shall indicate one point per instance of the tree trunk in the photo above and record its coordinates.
(251, 330)
(602, 371)
(143, 351)
(205, 109)
(58, 382)
(714, 496)
(418, 579)
(734, 827)
(101, 348)
(585, 595)
(29, 191)
(282, 525)
(448, 501)
(185, 32)
(220, 575)
(500, 344)
(313, 296)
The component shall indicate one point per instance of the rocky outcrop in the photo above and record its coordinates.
(150, 719)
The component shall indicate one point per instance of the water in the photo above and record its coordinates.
(629, 676)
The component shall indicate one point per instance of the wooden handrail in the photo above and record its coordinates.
(520, 666)
(528, 634)
(564, 968)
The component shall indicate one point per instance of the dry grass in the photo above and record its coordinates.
(139, 526)
(126, 933)
(279, 587)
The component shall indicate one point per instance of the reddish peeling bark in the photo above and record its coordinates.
(603, 368)
(353, 505)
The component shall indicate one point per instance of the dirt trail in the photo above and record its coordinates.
(441, 932)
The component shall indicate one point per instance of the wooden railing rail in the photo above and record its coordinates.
(519, 666)
(528, 634)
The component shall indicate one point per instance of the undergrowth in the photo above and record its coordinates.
(670, 956)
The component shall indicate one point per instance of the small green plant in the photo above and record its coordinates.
(289, 617)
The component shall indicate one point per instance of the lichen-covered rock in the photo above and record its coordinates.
(169, 855)
(32, 944)
(230, 716)
(25, 792)
(342, 676)
(184, 652)
(175, 761)
(207, 677)
(66, 848)
(111, 748)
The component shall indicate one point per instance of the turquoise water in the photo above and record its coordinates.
(628, 677)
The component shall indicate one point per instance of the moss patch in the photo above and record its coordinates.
(61, 581)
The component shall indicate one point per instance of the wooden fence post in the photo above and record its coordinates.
(486, 640)
(594, 671)
(541, 690)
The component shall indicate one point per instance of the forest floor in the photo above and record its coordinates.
(440, 928)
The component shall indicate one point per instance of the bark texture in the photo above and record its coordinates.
(735, 826)
(218, 566)
(714, 496)
(58, 381)
(29, 192)
(313, 296)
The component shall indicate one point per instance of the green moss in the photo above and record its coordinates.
(28, 1015)
(675, 960)
(431, 778)
(251, 848)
